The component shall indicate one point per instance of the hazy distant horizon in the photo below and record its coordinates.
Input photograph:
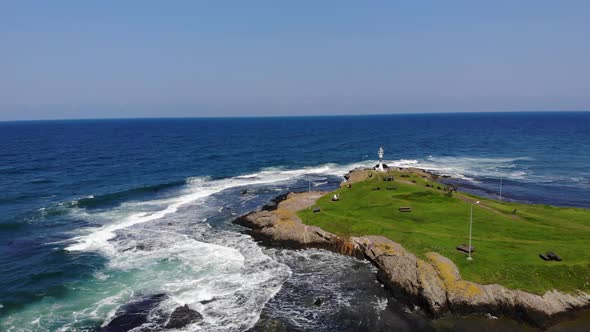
(136, 59)
(289, 116)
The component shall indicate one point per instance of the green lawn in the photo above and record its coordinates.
(507, 245)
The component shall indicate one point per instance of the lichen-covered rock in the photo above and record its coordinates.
(397, 267)
(432, 289)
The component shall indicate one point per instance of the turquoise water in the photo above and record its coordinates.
(97, 215)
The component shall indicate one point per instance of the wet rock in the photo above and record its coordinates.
(133, 314)
(183, 316)
(271, 325)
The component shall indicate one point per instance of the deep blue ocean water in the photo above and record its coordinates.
(97, 214)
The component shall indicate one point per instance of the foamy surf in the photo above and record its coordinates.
(197, 189)
(166, 246)
(468, 168)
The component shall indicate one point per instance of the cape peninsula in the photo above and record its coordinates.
(410, 225)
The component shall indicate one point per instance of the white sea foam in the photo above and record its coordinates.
(230, 270)
(381, 304)
(197, 189)
(467, 167)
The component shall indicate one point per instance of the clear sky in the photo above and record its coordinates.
(96, 59)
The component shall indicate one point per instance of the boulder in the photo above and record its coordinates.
(133, 314)
(183, 316)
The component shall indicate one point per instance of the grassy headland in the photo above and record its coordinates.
(507, 243)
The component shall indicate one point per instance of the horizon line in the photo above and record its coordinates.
(286, 116)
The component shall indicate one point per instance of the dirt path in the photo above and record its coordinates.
(471, 200)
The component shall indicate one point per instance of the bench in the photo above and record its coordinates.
(550, 256)
(554, 256)
(465, 248)
(544, 257)
(405, 209)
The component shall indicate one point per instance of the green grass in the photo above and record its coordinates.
(507, 245)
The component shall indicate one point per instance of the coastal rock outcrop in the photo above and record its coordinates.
(433, 283)
(182, 316)
(133, 314)
(278, 225)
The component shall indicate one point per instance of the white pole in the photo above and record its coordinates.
(470, 227)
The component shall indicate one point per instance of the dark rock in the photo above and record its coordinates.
(272, 205)
(182, 316)
(316, 210)
(133, 314)
(266, 324)
(317, 302)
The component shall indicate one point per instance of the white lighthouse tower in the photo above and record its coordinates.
(380, 152)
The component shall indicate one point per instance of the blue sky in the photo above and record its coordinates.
(95, 59)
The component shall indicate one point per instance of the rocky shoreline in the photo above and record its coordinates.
(434, 284)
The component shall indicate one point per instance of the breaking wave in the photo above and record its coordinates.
(469, 168)
(166, 245)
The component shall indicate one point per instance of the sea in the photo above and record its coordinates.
(109, 225)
